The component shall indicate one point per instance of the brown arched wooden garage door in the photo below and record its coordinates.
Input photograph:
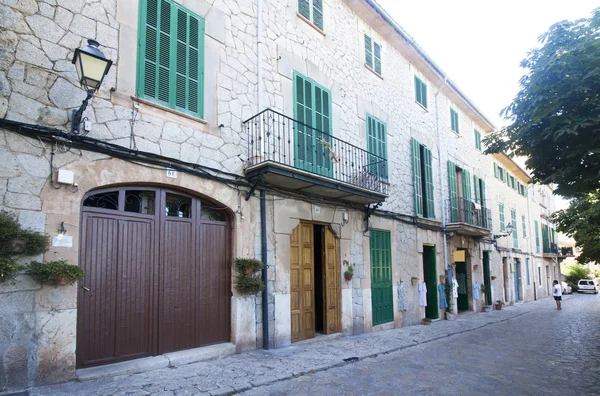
(157, 275)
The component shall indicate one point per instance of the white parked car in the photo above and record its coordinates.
(566, 289)
(587, 286)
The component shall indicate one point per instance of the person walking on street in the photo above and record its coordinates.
(557, 293)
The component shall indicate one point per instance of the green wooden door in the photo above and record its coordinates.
(429, 266)
(463, 288)
(381, 277)
(313, 146)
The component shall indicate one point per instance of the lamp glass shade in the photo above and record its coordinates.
(91, 66)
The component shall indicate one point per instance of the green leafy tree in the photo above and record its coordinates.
(581, 221)
(573, 273)
(555, 117)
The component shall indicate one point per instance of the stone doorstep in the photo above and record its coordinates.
(171, 359)
(318, 338)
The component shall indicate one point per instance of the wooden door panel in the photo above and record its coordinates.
(213, 299)
(117, 257)
(332, 290)
(178, 282)
(295, 303)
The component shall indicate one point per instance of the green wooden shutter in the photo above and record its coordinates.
(420, 92)
(417, 181)
(482, 193)
(545, 241)
(424, 94)
(477, 192)
(515, 232)
(417, 90)
(322, 117)
(318, 13)
(303, 112)
(477, 139)
(454, 120)
(524, 226)
(304, 8)
(453, 192)
(381, 277)
(171, 56)
(467, 203)
(429, 201)
(377, 56)
(377, 144)
(501, 211)
(496, 171)
(537, 236)
(368, 51)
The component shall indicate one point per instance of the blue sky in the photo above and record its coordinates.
(480, 43)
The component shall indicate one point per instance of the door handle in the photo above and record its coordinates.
(87, 289)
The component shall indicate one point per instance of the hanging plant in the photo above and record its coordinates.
(349, 273)
(247, 266)
(246, 283)
(16, 242)
(55, 273)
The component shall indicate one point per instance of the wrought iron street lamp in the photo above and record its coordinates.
(508, 230)
(91, 66)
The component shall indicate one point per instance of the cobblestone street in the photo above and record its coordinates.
(528, 349)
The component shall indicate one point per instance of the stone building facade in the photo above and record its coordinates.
(397, 187)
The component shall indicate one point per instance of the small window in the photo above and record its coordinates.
(477, 139)
(178, 206)
(420, 92)
(107, 200)
(212, 214)
(372, 55)
(454, 121)
(312, 10)
(140, 201)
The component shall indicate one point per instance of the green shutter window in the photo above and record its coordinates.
(429, 202)
(382, 305)
(524, 226)
(377, 145)
(318, 13)
(482, 193)
(477, 139)
(417, 181)
(304, 8)
(501, 211)
(467, 206)
(476, 186)
(420, 92)
(454, 120)
(368, 51)
(537, 236)
(313, 108)
(171, 56)
(496, 172)
(377, 56)
(453, 192)
(313, 13)
(515, 233)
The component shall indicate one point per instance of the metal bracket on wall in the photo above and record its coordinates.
(253, 188)
(369, 211)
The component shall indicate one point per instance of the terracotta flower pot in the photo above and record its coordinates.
(248, 271)
(62, 282)
(498, 306)
(347, 276)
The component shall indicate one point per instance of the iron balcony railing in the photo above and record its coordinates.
(274, 137)
(550, 248)
(465, 211)
(566, 251)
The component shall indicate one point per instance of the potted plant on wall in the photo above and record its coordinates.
(349, 273)
(246, 282)
(55, 273)
(426, 321)
(498, 304)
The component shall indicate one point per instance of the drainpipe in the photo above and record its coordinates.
(531, 236)
(259, 52)
(263, 252)
(439, 152)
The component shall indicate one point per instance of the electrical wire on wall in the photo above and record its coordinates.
(134, 114)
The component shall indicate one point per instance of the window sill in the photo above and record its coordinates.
(169, 110)
(309, 22)
(423, 107)
(455, 132)
(373, 71)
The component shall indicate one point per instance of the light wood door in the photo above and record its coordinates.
(331, 282)
(302, 282)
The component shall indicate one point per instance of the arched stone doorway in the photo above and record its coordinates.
(157, 274)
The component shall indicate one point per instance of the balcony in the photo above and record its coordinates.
(468, 218)
(288, 154)
(550, 249)
(564, 251)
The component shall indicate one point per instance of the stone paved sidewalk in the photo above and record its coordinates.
(237, 373)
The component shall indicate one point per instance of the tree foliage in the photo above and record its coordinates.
(573, 273)
(581, 221)
(556, 114)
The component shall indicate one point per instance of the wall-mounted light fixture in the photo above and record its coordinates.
(509, 229)
(62, 230)
(91, 66)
